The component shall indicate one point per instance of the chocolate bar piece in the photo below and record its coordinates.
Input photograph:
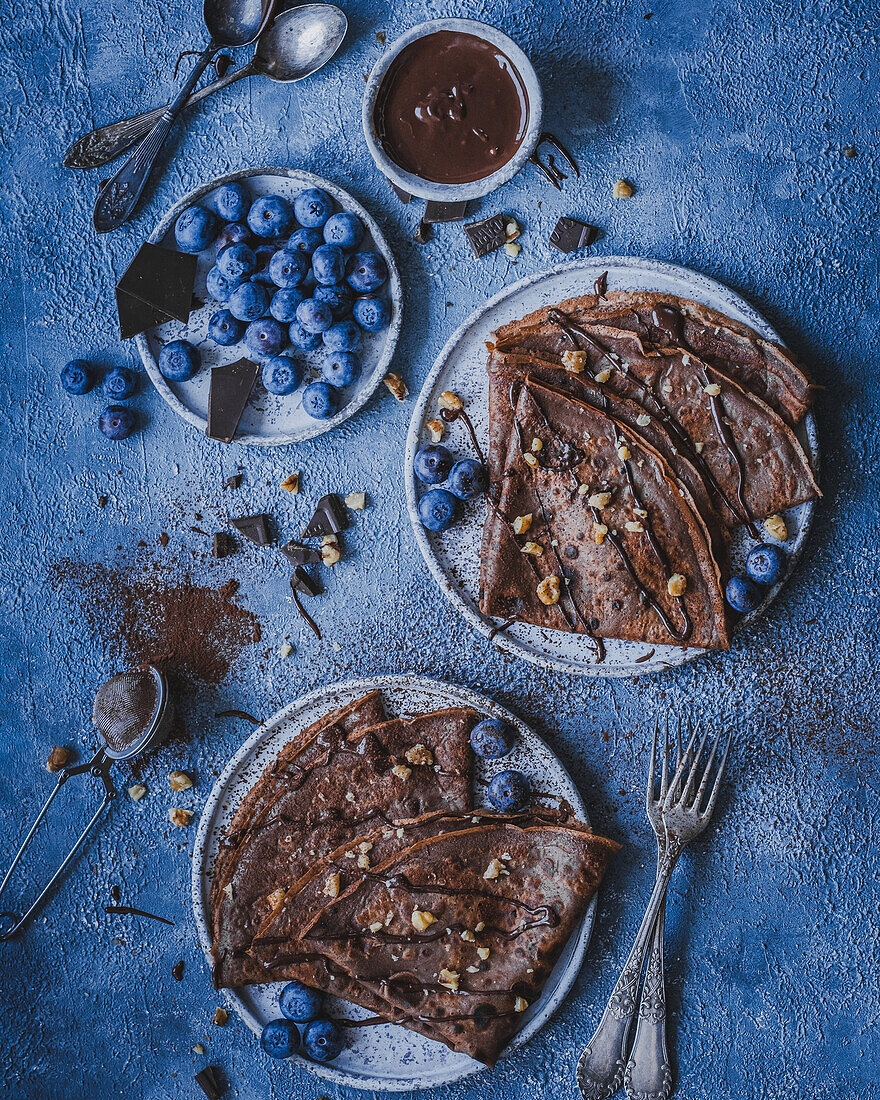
(231, 386)
(329, 519)
(234, 481)
(303, 581)
(486, 236)
(444, 211)
(404, 196)
(156, 286)
(570, 235)
(210, 1082)
(299, 554)
(255, 528)
(220, 545)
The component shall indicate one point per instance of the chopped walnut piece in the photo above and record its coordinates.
(356, 501)
(179, 781)
(583, 490)
(713, 389)
(513, 249)
(468, 936)
(376, 926)
(450, 401)
(331, 886)
(599, 500)
(530, 459)
(449, 979)
(285, 650)
(775, 527)
(401, 771)
(419, 754)
(511, 229)
(574, 361)
(59, 758)
(137, 792)
(548, 591)
(422, 920)
(483, 952)
(275, 898)
(643, 420)
(437, 429)
(603, 375)
(623, 189)
(494, 869)
(698, 447)
(479, 927)
(330, 552)
(396, 385)
(533, 548)
(179, 817)
(520, 1004)
(291, 483)
(537, 445)
(624, 452)
(522, 524)
(221, 1017)
(598, 532)
(634, 526)
(676, 585)
(198, 1049)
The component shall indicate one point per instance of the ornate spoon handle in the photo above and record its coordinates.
(107, 142)
(647, 1075)
(601, 1066)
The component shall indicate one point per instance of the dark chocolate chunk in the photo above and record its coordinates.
(230, 388)
(600, 287)
(234, 481)
(329, 519)
(303, 581)
(571, 235)
(211, 1082)
(404, 196)
(255, 528)
(220, 545)
(444, 211)
(423, 233)
(177, 971)
(299, 554)
(850, 152)
(486, 236)
(157, 285)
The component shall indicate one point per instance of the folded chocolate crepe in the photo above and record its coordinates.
(592, 533)
(459, 931)
(748, 457)
(325, 787)
(664, 320)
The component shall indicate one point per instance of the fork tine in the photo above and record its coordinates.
(687, 793)
(713, 797)
(683, 763)
(707, 771)
(650, 794)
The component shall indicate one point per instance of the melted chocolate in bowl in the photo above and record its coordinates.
(451, 109)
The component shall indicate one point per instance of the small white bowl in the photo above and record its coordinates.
(454, 192)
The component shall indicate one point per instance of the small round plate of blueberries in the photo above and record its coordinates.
(295, 276)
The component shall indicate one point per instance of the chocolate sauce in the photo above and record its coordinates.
(130, 911)
(451, 415)
(499, 627)
(451, 109)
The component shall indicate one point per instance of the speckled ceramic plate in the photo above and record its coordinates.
(268, 420)
(384, 1057)
(454, 556)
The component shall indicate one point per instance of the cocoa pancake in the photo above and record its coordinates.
(609, 521)
(460, 931)
(662, 321)
(341, 783)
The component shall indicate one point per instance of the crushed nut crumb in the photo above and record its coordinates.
(511, 229)
(285, 650)
(623, 189)
(676, 585)
(533, 548)
(583, 490)
(574, 361)
(59, 758)
(221, 1017)
(422, 920)
(401, 771)
(603, 375)
(396, 385)
(530, 459)
(437, 429)
(713, 389)
(198, 1049)
(450, 401)
(479, 927)
(599, 500)
(484, 952)
(291, 484)
(179, 817)
(449, 979)
(643, 420)
(537, 445)
(468, 936)
(548, 591)
(179, 781)
(419, 754)
(634, 526)
(494, 869)
(775, 527)
(522, 524)
(331, 886)
(376, 926)
(513, 249)
(137, 792)
(330, 552)
(356, 501)
(698, 447)
(599, 531)
(229, 890)
(624, 452)
(520, 1004)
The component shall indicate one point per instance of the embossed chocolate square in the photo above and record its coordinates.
(487, 236)
(570, 235)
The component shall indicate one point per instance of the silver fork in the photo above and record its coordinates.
(682, 815)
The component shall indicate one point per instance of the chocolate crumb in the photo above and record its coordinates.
(423, 232)
(850, 151)
(233, 482)
(380, 37)
(163, 539)
(102, 501)
(115, 892)
(177, 971)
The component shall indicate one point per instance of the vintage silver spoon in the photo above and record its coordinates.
(230, 23)
(296, 45)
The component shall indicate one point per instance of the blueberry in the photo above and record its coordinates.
(77, 376)
(236, 262)
(248, 301)
(196, 229)
(328, 264)
(265, 337)
(282, 375)
(288, 267)
(232, 202)
(338, 297)
(224, 329)
(320, 400)
(491, 739)
(280, 1038)
(264, 279)
(366, 272)
(742, 594)
(467, 479)
(300, 1002)
(341, 368)
(179, 361)
(234, 233)
(271, 216)
(284, 303)
(344, 336)
(301, 337)
(264, 253)
(218, 286)
(313, 207)
(314, 316)
(766, 564)
(438, 509)
(306, 240)
(433, 463)
(372, 314)
(117, 422)
(344, 229)
(509, 792)
(322, 1040)
(119, 383)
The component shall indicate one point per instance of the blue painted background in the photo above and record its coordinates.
(730, 118)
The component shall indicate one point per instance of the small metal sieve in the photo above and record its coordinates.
(132, 712)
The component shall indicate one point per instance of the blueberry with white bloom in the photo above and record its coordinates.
(284, 303)
(282, 375)
(117, 422)
(179, 361)
(743, 594)
(280, 1038)
(218, 286)
(467, 478)
(328, 264)
(338, 297)
(372, 314)
(322, 1040)
(119, 383)
(766, 564)
(248, 301)
(77, 377)
(224, 329)
(196, 229)
(345, 230)
(343, 336)
(313, 207)
(314, 316)
(491, 739)
(438, 509)
(232, 201)
(288, 267)
(236, 261)
(341, 368)
(265, 337)
(306, 240)
(366, 272)
(271, 216)
(320, 400)
(234, 233)
(433, 463)
(509, 792)
(300, 1002)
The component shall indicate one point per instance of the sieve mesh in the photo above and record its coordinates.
(124, 708)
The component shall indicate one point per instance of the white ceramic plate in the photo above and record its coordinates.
(386, 1057)
(454, 556)
(268, 420)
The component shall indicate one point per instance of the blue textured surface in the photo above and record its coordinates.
(731, 120)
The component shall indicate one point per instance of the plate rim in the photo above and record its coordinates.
(345, 199)
(199, 868)
(483, 626)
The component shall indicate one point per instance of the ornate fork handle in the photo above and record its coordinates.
(647, 1075)
(600, 1070)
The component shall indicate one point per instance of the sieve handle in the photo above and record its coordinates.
(98, 766)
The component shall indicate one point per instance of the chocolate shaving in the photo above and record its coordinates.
(422, 233)
(302, 581)
(487, 236)
(243, 714)
(404, 196)
(329, 518)
(600, 287)
(177, 971)
(254, 528)
(570, 235)
(129, 911)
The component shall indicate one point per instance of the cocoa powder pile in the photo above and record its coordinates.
(148, 614)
